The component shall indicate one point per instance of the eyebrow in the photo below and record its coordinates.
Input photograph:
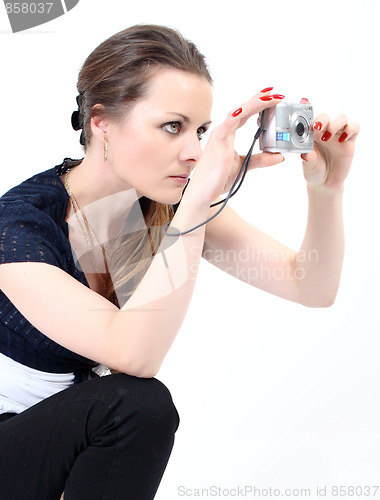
(187, 119)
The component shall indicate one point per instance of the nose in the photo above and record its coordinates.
(190, 149)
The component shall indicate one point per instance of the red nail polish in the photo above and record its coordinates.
(304, 100)
(326, 136)
(278, 96)
(317, 125)
(266, 98)
(268, 89)
(343, 137)
(303, 156)
(237, 112)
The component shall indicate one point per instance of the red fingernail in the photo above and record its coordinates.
(278, 96)
(266, 98)
(343, 137)
(237, 112)
(303, 156)
(326, 136)
(304, 100)
(317, 125)
(268, 89)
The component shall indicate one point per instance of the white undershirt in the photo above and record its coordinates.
(22, 387)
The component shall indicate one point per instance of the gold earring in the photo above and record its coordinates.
(105, 150)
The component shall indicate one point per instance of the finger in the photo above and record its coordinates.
(323, 128)
(310, 158)
(335, 126)
(262, 160)
(238, 117)
(321, 122)
(328, 129)
(344, 131)
(267, 90)
(312, 173)
(349, 132)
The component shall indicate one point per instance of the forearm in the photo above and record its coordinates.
(151, 319)
(318, 264)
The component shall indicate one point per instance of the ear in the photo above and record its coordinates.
(99, 124)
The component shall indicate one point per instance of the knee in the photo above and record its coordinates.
(156, 406)
(147, 401)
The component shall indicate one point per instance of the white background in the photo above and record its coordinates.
(270, 393)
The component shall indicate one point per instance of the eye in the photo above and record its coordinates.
(201, 132)
(172, 127)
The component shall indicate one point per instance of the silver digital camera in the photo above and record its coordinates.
(287, 128)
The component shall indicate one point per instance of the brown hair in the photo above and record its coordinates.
(116, 75)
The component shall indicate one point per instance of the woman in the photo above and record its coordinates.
(89, 279)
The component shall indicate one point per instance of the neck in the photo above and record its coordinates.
(95, 179)
(105, 198)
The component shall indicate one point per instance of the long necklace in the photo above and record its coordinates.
(100, 369)
(87, 232)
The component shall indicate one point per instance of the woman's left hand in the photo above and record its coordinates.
(334, 144)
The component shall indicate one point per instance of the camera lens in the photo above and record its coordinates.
(300, 129)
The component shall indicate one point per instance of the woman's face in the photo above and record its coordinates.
(157, 145)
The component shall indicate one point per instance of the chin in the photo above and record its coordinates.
(169, 201)
(167, 198)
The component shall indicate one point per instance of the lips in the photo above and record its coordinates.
(183, 178)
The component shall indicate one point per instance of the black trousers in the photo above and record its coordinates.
(108, 438)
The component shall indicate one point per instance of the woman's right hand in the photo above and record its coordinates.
(219, 164)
